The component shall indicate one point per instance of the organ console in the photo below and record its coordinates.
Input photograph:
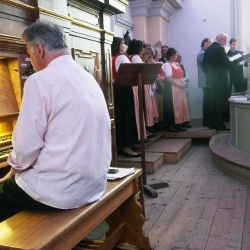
(9, 109)
(13, 73)
(6, 147)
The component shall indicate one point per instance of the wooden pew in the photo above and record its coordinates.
(64, 229)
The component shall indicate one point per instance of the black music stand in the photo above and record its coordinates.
(138, 74)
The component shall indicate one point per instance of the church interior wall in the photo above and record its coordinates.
(157, 30)
(140, 28)
(164, 27)
(60, 6)
(187, 28)
(120, 23)
(152, 28)
(245, 30)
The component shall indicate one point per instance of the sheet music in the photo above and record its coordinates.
(232, 58)
(121, 173)
(243, 58)
(239, 57)
(239, 98)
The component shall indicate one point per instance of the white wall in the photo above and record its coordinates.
(245, 28)
(244, 25)
(188, 26)
(122, 23)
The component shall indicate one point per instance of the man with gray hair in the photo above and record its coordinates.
(62, 126)
(216, 67)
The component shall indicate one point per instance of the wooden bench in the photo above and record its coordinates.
(64, 229)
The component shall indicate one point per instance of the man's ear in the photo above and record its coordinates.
(40, 50)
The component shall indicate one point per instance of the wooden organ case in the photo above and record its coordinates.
(15, 67)
(14, 62)
(87, 25)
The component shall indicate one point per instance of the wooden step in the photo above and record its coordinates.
(153, 140)
(192, 133)
(153, 162)
(197, 131)
(173, 149)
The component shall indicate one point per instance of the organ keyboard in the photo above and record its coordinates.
(5, 149)
(4, 154)
(5, 141)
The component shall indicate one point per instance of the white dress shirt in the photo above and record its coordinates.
(62, 139)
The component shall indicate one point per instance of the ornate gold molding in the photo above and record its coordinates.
(53, 14)
(87, 26)
(12, 38)
(123, 2)
(18, 5)
(91, 27)
(12, 44)
(94, 55)
(86, 8)
(108, 32)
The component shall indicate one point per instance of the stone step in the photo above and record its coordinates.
(229, 159)
(173, 149)
(153, 162)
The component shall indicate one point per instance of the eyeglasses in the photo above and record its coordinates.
(224, 39)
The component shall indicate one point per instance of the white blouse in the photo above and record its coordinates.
(136, 59)
(120, 59)
(167, 69)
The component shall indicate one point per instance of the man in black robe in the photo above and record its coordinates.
(216, 67)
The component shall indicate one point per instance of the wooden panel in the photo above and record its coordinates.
(6, 128)
(173, 149)
(8, 102)
(10, 44)
(15, 78)
(89, 60)
(153, 162)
